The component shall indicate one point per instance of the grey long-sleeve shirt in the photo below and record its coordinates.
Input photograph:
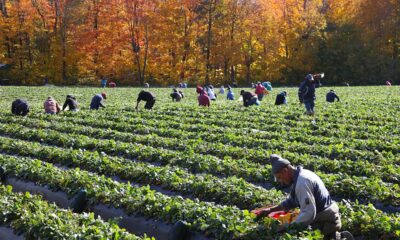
(309, 193)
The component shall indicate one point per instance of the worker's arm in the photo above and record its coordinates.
(262, 212)
(337, 97)
(286, 205)
(101, 104)
(65, 104)
(305, 196)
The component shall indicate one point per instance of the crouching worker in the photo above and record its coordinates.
(51, 106)
(249, 98)
(203, 99)
(309, 193)
(148, 97)
(20, 107)
(331, 96)
(71, 103)
(176, 95)
(281, 98)
(97, 101)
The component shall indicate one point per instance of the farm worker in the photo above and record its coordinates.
(307, 92)
(176, 95)
(51, 106)
(267, 86)
(211, 94)
(148, 97)
(103, 82)
(203, 99)
(20, 107)
(249, 98)
(199, 89)
(222, 90)
(146, 85)
(230, 95)
(71, 103)
(281, 98)
(260, 91)
(112, 84)
(97, 101)
(331, 96)
(388, 83)
(309, 193)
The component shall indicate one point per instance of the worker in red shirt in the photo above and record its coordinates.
(260, 89)
(204, 100)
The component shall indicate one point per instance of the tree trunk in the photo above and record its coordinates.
(146, 48)
(209, 40)
(3, 8)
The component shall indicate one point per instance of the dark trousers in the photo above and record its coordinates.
(149, 104)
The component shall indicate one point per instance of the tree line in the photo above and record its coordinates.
(199, 41)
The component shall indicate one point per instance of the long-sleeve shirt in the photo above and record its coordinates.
(247, 96)
(230, 95)
(71, 103)
(146, 96)
(177, 96)
(51, 106)
(280, 99)
(204, 100)
(309, 193)
(20, 107)
(307, 90)
(331, 96)
(211, 94)
(260, 89)
(96, 102)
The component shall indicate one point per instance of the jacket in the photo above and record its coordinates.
(51, 106)
(309, 193)
(71, 103)
(331, 96)
(307, 90)
(204, 100)
(96, 102)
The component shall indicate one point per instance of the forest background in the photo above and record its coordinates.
(166, 42)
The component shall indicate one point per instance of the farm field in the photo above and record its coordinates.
(205, 166)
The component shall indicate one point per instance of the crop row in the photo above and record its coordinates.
(340, 184)
(269, 125)
(263, 121)
(221, 222)
(301, 141)
(385, 170)
(36, 219)
(230, 191)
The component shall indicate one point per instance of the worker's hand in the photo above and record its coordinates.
(261, 212)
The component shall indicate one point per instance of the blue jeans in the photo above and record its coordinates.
(260, 97)
(309, 104)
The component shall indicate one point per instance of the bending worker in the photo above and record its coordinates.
(20, 107)
(148, 97)
(331, 96)
(310, 194)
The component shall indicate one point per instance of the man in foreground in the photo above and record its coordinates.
(309, 193)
